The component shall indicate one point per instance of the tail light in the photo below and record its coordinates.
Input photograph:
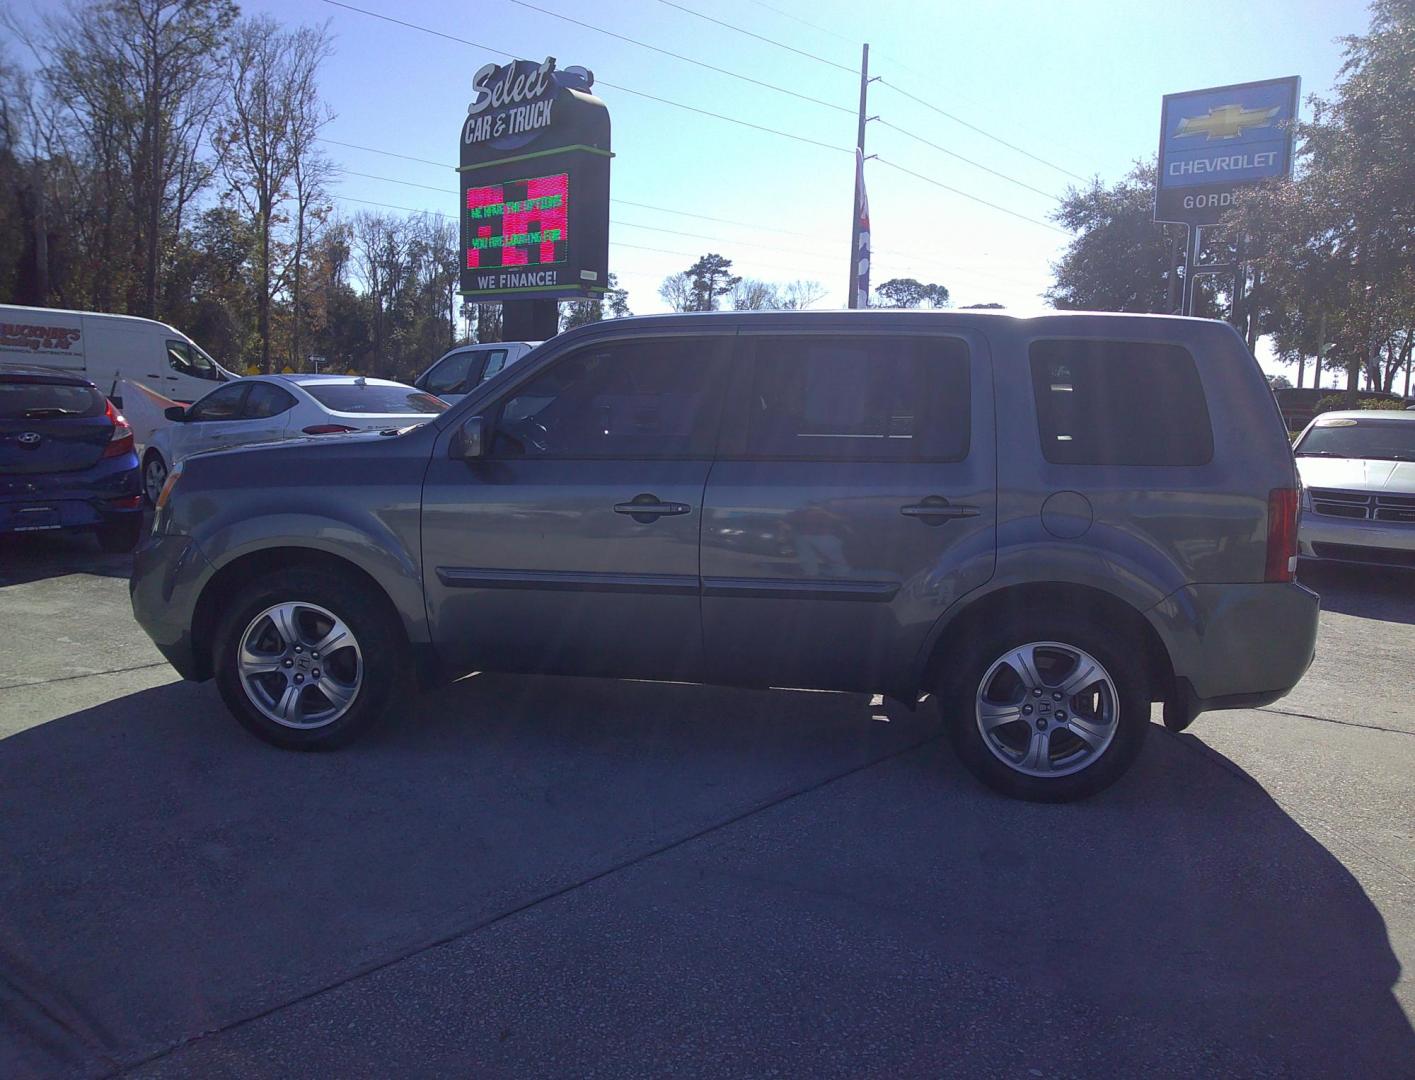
(328, 429)
(1282, 535)
(121, 441)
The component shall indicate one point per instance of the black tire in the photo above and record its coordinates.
(379, 643)
(152, 463)
(120, 536)
(962, 682)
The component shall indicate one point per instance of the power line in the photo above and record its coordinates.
(986, 134)
(685, 59)
(977, 165)
(759, 37)
(600, 82)
(936, 183)
(385, 153)
(622, 202)
(805, 22)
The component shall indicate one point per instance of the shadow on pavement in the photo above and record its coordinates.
(1369, 592)
(168, 876)
(36, 556)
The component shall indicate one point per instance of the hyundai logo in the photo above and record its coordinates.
(29, 438)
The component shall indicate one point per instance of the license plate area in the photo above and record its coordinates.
(32, 518)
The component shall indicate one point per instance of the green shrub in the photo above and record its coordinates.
(1337, 402)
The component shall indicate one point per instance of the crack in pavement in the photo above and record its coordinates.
(553, 894)
(1333, 720)
(83, 675)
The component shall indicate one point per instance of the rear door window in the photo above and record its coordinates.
(878, 398)
(266, 400)
(1119, 403)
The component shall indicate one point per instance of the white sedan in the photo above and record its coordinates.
(267, 408)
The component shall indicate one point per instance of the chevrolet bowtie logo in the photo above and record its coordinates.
(1226, 122)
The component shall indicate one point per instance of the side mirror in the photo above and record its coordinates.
(471, 440)
(175, 412)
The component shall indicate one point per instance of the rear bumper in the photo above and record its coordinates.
(1237, 646)
(78, 500)
(168, 574)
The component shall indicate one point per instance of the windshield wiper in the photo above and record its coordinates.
(1320, 453)
(49, 414)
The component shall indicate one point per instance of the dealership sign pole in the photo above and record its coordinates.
(534, 195)
(1213, 144)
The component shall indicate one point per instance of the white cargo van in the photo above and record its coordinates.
(458, 371)
(108, 348)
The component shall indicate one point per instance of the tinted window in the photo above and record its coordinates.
(495, 361)
(189, 360)
(450, 376)
(1119, 403)
(266, 399)
(643, 399)
(47, 401)
(371, 398)
(1384, 440)
(863, 399)
(223, 404)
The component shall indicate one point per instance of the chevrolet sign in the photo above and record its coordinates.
(1215, 142)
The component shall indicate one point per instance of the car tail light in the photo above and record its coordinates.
(328, 429)
(125, 502)
(1282, 535)
(121, 441)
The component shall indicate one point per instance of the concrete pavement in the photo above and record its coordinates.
(535, 876)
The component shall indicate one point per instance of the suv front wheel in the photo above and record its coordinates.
(1047, 710)
(306, 659)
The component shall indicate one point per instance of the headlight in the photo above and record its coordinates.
(172, 478)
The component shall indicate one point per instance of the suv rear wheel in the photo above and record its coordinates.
(306, 659)
(1048, 710)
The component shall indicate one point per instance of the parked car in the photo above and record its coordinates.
(267, 408)
(66, 459)
(459, 371)
(1299, 404)
(1358, 488)
(107, 348)
(1046, 523)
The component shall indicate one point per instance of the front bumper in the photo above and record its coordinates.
(1237, 646)
(169, 572)
(1334, 539)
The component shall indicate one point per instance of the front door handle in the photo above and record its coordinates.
(935, 510)
(646, 508)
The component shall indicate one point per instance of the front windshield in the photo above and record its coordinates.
(1378, 439)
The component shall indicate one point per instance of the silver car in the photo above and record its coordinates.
(1045, 524)
(1358, 488)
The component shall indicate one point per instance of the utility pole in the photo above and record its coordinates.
(851, 299)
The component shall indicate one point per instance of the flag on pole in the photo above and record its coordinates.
(862, 229)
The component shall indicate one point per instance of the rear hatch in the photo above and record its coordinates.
(50, 425)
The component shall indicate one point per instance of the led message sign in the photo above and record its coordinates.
(1216, 142)
(519, 222)
(535, 185)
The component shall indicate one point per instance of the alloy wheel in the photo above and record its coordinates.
(300, 665)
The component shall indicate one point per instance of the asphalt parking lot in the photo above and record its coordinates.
(536, 876)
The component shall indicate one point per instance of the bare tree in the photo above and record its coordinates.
(266, 136)
(381, 244)
(753, 294)
(677, 292)
(799, 295)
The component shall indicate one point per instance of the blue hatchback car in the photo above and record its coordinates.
(67, 459)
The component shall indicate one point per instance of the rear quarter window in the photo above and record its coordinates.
(1119, 403)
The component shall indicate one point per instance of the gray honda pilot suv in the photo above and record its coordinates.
(1046, 524)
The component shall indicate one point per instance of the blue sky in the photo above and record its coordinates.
(1075, 84)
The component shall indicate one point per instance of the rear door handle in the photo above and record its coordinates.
(935, 510)
(648, 508)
